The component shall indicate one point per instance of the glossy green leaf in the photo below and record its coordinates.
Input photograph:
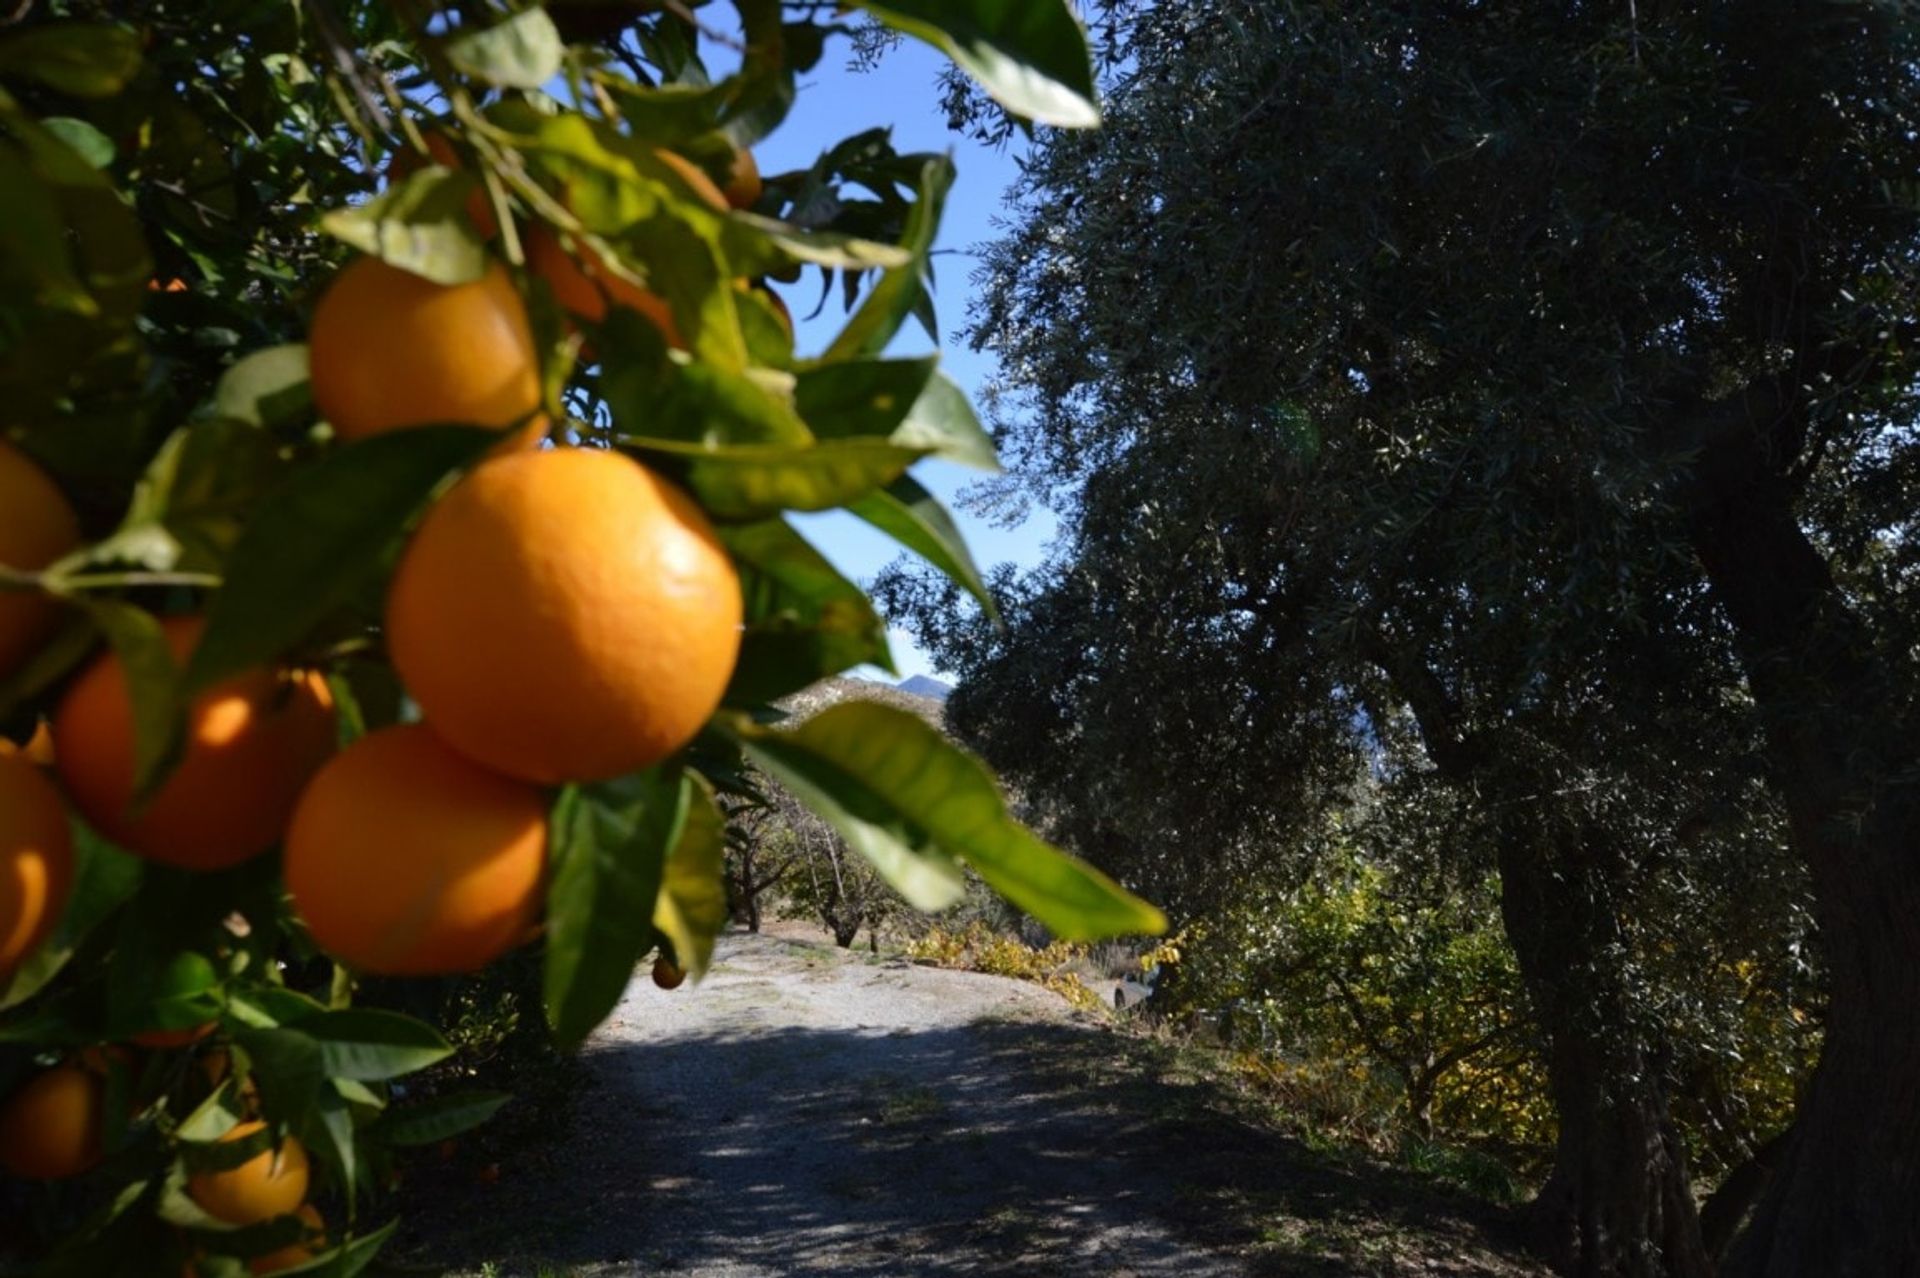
(522, 52)
(804, 621)
(900, 290)
(914, 804)
(288, 1066)
(692, 906)
(267, 388)
(370, 1045)
(418, 224)
(1031, 55)
(656, 402)
(318, 537)
(191, 503)
(79, 59)
(915, 518)
(440, 1118)
(89, 143)
(610, 842)
(752, 482)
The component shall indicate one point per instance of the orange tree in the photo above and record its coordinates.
(400, 424)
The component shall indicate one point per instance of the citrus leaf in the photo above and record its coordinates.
(692, 907)
(914, 803)
(371, 1045)
(901, 289)
(610, 842)
(804, 621)
(289, 1067)
(104, 878)
(1030, 55)
(440, 1118)
(755, 481)
(859, 398)
(656, 402)
(89, 143)
(418, 224)
(915, 518)
(267, 388)
(316, 538)
(80, 60)
(523, 52)
(153, 685)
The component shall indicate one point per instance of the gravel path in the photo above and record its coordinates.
(808, 1111)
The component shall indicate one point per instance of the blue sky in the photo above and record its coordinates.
(834, 103)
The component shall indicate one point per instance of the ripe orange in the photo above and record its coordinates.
(479, 207)
(271, 1183)
(252, 742)
(743, 180)
(390, 350)
(565, 615)
(587, 288)
(37, 526)
(50, 1127)
(667, 974)
(406, 859)
(295, 1253)
(36, 860)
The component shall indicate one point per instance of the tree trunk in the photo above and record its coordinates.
(1619, 1203)
(1845, 1200)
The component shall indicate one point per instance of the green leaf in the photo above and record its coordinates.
(440, 1118)
(755, 481)
(351, 1259)
(418, 224)
(901, 289)
(942, 422)
(523, 52)
(318, 537)
(93, 146)
(267, 388)
(661, 403)
(1031, 55)
(692, 907)
(610, 842)
(914, 803)
(861, 398)
(289, 1067)
(153, 686)
(371, 1045)
(915, 518)
(80, 60)
(189, 506)
(804, 621)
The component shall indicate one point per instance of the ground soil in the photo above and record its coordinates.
(812, 1111)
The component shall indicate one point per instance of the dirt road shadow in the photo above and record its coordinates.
(984, 1148)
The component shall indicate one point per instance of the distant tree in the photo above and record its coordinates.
(1533, 383)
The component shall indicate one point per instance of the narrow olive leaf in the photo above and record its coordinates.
(371, 1045)
(892, 300)
(438, 1119)
(1030, 55)
(804, 621)
(80, 60)
(692, 906)
(523, 52)
(910, 800)
(267, 388)
(318, 537)
(418, 224)
(756, 481)
(915, 518)
(153, 683)
(610, 844)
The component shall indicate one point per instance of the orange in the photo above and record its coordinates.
(479, 207)
(36, 860)
(743, 180)
(565, 615)
(38, 749)
(295, 1253)
(271, 1183)
(391, 350)
(251, 743)
(697, 180)
(667, 975)
(37, 526)
(587, 288)
(406, 859)
(50, 1127)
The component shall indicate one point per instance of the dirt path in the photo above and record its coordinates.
(808, 1111)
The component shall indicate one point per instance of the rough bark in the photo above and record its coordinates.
(1846, 761)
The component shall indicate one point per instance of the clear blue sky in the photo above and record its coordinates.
(835, 103)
